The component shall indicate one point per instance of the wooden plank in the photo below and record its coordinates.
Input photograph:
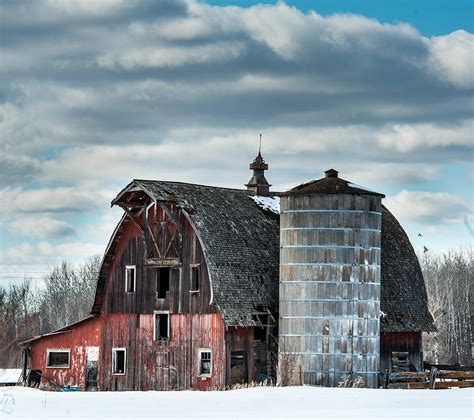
(159, 262)
(454, 384)
(418, 385)
(409, 375)
(453, 374)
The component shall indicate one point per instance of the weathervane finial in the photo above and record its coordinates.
(260, 144)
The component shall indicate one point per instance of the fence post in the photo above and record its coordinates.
(433, 373)
(386, 378)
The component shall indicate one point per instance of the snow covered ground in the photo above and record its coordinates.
(291, 403)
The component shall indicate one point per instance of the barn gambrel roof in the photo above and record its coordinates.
(241, 244)
(403, 297)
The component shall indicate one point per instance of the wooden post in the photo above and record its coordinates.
(433, 377)
(386, 378)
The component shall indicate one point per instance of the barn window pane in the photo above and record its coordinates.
(118, 361)
(57, 359)
(205, 362)
(130, 277)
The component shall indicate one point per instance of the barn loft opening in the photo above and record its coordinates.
(130, 278)
(195, 279)
(162, 326)
(162, 282)
(118, 361)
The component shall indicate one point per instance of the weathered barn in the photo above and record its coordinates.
(188, 294)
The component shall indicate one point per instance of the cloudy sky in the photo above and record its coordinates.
(95, 93)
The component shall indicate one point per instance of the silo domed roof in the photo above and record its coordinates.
(331, 184)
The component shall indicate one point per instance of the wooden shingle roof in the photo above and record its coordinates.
(403, 294)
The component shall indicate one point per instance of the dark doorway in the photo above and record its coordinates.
(92, 368)
(238, 368)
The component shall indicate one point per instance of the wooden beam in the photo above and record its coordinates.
(163, 262)
(132, 217)
(154, 242)
(171, 242)
(171, 217)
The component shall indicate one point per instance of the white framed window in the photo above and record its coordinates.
(161, 326)
(205, 362)
(119, 360)
(130, 278)
(58, 358)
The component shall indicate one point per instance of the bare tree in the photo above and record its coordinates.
(26, 311)
(289, 367)
(449, 283)
(17, 322)
(68, 293)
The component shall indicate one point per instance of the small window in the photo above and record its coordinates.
(119, 359)
(162, 282)
(162, 326)
(205, 362)
(130, 277)
(195, 279)
(57, 358)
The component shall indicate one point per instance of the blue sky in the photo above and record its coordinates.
(94, 94)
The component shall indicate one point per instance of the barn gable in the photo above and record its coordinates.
(240, 241)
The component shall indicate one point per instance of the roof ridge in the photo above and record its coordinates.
(190, 183)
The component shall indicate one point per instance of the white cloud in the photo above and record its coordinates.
(41, 227)
(131, 59)
(295, 155)
(47, 253)
(17, 168)
(452, 58)
(90, 7)
(176, 29)
(408, 137)
(428, 207)
(103, 229)
(32, 126)
(49, 200)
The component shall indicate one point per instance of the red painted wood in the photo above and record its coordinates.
(85, 334)
(127, 320)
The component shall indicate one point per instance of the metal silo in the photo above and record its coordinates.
(329, 329)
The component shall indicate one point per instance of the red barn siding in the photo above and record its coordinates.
(127, 320)
(154, 365)
(82, 335)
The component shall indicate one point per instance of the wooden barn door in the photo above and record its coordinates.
(92, 368)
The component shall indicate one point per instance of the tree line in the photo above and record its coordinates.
(64, 297)
(67, 293)
(449, 280)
